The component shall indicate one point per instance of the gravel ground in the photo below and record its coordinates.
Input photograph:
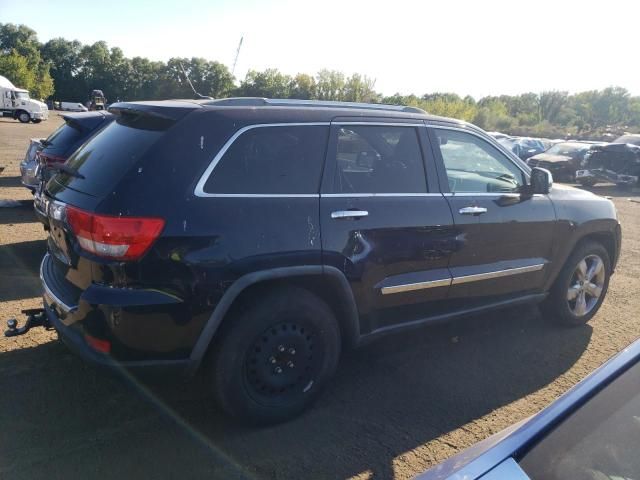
(394, 409)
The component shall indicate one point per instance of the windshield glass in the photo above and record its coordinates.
(22, 95)
(599, 441)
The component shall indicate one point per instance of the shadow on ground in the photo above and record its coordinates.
(9, 182)
(22, 212)
(69, 420)
(19, 269)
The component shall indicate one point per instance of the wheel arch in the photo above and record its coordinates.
(609, 239)
(326, 282)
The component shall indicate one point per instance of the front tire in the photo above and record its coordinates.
(581, 286)
(24, 117)
(273, 358)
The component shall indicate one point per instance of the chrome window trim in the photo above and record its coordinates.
(490, 140)
(47, 291)
(264, 195)
(380, 124)
(408, 287)
(355, 195)
(486, 194)
(496, 274)
(199, 190)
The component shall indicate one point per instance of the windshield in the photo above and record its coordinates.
(568, 149)
(22, 95)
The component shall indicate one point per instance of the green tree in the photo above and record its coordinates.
(16, 68)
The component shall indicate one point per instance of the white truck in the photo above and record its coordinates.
(15, 103)
(73, 107)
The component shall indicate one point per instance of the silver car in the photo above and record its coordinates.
(29, 166)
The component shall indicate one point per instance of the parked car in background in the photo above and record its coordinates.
(73, 107)
(28, 166)
(617, 163)
(523, 147)
(262, 237)
(58, 147)
(592, 432)
(562, 159)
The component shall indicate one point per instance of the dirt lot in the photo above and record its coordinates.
(394, 409)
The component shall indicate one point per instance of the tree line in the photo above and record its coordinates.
(67, 70)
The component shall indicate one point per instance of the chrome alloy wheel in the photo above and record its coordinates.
(586, 285)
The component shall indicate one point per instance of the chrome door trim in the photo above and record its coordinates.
(409, 287)
(199, 190)
(446, 282)
(496, 274)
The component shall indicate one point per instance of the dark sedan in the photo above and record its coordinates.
(562, 160)
(590, 433)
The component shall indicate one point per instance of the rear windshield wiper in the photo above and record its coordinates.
(61, 167)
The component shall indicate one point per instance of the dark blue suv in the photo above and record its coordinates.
(262, 237)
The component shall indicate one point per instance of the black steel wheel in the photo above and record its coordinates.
(274, 355)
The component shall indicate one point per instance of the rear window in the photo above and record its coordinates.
(108, 156)
(272, 160)
(61, 139)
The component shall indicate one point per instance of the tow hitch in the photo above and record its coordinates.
(36, 317)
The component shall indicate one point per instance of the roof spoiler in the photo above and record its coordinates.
(161, 110)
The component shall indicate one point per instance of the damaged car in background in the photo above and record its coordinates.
(562, 159)
(617, 163)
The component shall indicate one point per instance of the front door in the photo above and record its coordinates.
(504, 239)
(384, 224)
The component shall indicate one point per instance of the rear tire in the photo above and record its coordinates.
(272, 359)
(581, 286)
(24, 117)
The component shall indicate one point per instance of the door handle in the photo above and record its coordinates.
(472, 210)
(349, 214)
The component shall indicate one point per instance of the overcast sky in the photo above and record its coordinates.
(476, 47)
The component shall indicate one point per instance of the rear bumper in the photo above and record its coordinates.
(67, 315)
(74, 339)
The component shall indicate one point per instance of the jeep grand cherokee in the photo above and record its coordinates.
(262, 237)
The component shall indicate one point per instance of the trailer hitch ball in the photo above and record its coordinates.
(12, 324)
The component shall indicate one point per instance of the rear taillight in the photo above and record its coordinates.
(46, 158)
(119, 238)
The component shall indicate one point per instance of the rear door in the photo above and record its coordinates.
(505, 239)
(384, 223)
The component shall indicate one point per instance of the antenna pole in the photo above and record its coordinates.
(235, 60)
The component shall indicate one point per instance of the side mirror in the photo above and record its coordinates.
(541, 180)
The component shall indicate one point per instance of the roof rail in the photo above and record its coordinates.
(290, 102)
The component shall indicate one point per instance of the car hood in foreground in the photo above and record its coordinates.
(479, 459)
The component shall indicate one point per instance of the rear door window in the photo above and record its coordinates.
(284, 160)
(378, 159)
